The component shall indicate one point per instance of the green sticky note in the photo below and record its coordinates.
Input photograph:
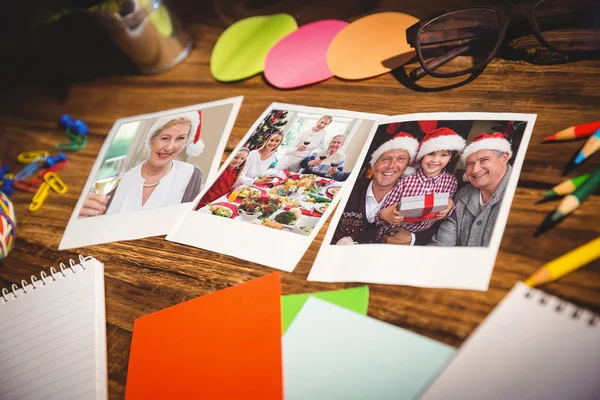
(355, 299)
(241, 51)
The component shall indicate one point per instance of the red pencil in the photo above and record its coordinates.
(574, 132)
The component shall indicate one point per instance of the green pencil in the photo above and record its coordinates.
(573, 200)
(570, 203)
(567, 186)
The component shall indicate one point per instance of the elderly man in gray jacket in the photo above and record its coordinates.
(478, 204)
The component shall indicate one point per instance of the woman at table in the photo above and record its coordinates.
(304, 143)
(259, 161)
(226, 181)
(160, 180)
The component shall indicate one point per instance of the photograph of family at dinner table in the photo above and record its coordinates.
(288, 171)
(438, 183)
(156, 162)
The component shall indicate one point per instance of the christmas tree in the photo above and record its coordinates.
(274, 122)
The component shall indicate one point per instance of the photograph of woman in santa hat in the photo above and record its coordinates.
(160, 180)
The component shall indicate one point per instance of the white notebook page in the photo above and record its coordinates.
(526, 349)
(53, 338)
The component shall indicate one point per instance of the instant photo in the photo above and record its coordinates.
(279, 185)
(149, 171)
(429, 203)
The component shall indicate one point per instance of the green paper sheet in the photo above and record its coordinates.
(355, 299)
(241, 50)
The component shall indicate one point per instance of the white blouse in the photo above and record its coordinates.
(255, 167)
(170, 190)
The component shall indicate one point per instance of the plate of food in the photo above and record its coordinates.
(305, 225)
(224, 210)
(251, 192)
(332, 191)
(287, 218)
(265, 204)
(321, 207)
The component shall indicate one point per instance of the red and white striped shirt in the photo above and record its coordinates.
(417, 184)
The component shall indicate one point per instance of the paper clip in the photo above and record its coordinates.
(77, 143)
(54, 181)
(39, 197)
(31, 156)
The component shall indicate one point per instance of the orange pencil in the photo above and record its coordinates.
(574, 132)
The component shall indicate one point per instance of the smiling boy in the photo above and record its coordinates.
(436, 150)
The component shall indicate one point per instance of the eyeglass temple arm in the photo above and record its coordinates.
(438, 61)
(448, 35)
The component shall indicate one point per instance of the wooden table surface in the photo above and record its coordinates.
(92, 80)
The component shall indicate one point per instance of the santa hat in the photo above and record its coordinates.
(402, 141)
(485, 141)
(195, 145)
(440, 139)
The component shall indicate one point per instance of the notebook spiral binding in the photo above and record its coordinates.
(561, 306)
(51, 278)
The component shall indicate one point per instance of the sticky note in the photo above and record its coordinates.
(330, 352)
(241, 50)
(225, 345)
(300, 58)
(371, 46)
(355, 299)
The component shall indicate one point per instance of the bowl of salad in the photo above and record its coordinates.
(305, 225)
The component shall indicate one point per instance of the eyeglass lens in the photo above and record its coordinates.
(569, 25)
(458, 41)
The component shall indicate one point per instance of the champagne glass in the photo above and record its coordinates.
(106, 185)
(114, 169)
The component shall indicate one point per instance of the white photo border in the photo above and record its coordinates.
(423, 266)
(142, 223)
(281, 250)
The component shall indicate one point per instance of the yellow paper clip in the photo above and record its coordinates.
(10, 175)
(54, 181)
(31, 156)
(39, 197)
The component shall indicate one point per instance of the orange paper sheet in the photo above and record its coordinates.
(224, 345)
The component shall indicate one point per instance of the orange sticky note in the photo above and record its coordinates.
(225, 345)
(371, 46)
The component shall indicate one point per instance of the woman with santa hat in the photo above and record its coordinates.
(160, 180)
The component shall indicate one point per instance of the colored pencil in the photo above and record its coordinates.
(566, 263)
(571, 202)
(574, 132)
(566, 187)
(590, 147)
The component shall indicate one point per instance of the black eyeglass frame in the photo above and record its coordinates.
(506, 11)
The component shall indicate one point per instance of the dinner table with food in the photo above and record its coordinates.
(290, 202)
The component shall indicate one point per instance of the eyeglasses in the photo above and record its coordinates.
(464, 40)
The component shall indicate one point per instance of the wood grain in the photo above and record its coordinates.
(142, 276)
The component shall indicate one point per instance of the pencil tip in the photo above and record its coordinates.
(548, 138)
(555, 216)
(546, 199)
(546, 225)
(579, 158)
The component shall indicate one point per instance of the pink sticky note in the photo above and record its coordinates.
(300, 58)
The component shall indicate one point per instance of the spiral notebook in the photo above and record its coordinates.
(532, 346)
(53, 335)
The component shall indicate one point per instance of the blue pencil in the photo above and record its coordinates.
(590, 147)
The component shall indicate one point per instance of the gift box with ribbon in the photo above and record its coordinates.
(422, 208)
